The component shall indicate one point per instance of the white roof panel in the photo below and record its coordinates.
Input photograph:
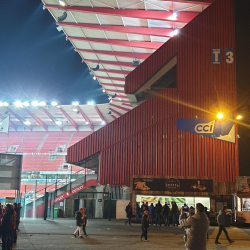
(107, 58)
(85, 18)
(116, 35)
(73, 31)
(131, 4)
(160, 24)
(128, 21)
(135, 37)
(104, 3)
(98, 46)
(110, 20)
(90, 33)
(89, 56)
(159, 39)
(81, 45)
(121, 48)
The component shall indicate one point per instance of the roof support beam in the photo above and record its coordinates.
(119, 72)
(111, 78)
(183, 17)
(115, 91)
(115, 112)
(113, 117)
(142, 56)
(120, 64)
(144, 45)
(14, 126)
(40, 122)
(86, 119)
(118, 107)
(100, 114)
(120, 96)
(51, 117)
(123, 29)
(123, 102)
(127, 105)
(19, 118)
(112, 85)
(69, 118)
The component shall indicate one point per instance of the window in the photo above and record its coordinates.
(13, 148)
(60, 148)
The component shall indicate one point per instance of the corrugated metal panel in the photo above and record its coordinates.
(145, 140)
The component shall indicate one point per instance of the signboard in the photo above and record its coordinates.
(243, 185)
(10, 171)
(216, 56)
(61, 204)
(99, 200)
(229, 56)
(9, 200)
(173, 185)
(216, 129)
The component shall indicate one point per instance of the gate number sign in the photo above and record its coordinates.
(229, 56)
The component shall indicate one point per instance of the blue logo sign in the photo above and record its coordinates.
(217, 129)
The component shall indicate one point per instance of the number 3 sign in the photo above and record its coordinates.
(229, 54)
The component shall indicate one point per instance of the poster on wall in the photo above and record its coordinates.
(243, 185)
(173, 185)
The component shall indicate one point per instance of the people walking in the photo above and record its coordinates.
(158, 212)
(151, 213)
(7, 228)
(221, 219)
(79, 223)
(128, 210)
(166, 210)
(197, 225)
(137, 212)
(145, 225)
(84, 221)
(175, 213)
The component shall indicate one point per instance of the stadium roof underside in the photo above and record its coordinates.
(114, 36)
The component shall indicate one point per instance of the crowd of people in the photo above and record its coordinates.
(9, 224)
(194, 221)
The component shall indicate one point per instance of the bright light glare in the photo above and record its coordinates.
(42, 103)
(173, 16)
(87, 123)
(54, 103)
(173, 33)
(103, 90)
(94, 78)
(120, 99)
(220, 115)
(1, 104)
(75, 103)
(75, 110)
(103, 122)
(27, 122)
(58, 122)
(34, 103)
(18, 104)
(90, 103)
(5, 104)
(111, 100)
(239, 117)
(26, 104)
(62, 3)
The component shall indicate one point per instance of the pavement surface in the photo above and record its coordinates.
(111, 235)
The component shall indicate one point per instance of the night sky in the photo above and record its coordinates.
(36, 61)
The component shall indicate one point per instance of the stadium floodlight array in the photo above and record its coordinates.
(5, 104)
(75, 103)
(91, 103)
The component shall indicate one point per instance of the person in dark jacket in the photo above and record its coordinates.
(17, 210)
(84, 221)
(137, 212)
(221, 219)
(175, 213)
(7, 228)
(142, 208)
(158, 212)
(145, 225)
(79, 223)
(151, 213)
(146, 206)
(166, 214)
(129, 213)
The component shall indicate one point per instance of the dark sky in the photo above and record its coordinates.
(36, 61)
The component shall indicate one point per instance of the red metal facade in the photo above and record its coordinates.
(145, 140)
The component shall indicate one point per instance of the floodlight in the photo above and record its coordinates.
(94, 78)
(42, 103)
(58, 122)
(18, 104)
(62, 3)
(111, 100)
(136, 63)
(87, 123)
(239, 117)
(175, 32)
(90, 103)
(54, 103)
(103, 90)
(35, 103)
(5, 104)
(27, 122)
(1, 104)
(219, 115)
(26, 104)
(59, 28)
(75, 110)
(103, 122)
(75, 103)
(120, 99)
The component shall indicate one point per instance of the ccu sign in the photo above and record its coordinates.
(220, 130)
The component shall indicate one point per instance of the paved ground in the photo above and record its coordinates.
(112, 235)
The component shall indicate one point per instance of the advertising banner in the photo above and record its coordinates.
(216, 129)
(243, 185)
(173, 185)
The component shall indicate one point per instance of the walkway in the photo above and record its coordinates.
(112, 235)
